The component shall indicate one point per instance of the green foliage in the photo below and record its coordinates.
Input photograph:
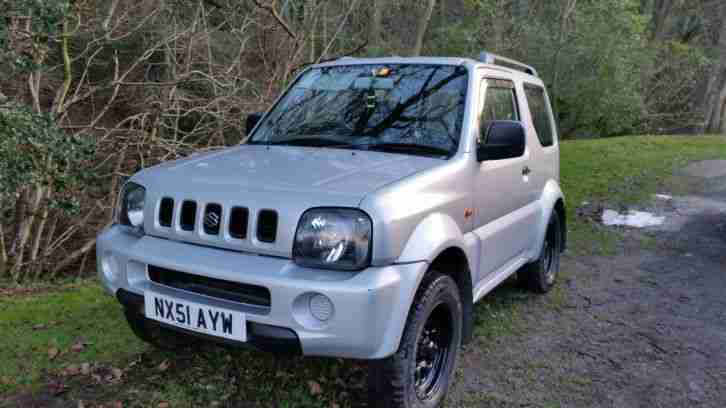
(33, 151)
(672, 86)
(600, 70)
(591, 63)
(46, 20)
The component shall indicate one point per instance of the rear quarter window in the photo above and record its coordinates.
(539, 110)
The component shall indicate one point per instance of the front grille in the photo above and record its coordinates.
(188, 215)
(238, 219)
(217, 288)
(166, 212)
(213, 217)
(267, 226)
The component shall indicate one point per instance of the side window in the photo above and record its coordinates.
(499, 103)
(540, 114)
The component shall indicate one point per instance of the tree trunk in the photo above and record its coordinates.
(25, 230)
(661, 12)
(498, 28)
(716, 90)
(566, 12)
(3, 253)
(374, 30)
(422, 26)
(35, 247)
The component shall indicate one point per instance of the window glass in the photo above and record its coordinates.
(499, 103)
(366, 106)
(540, 114)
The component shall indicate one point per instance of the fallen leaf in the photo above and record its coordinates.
(117, 373)
(133, 363)
(163, 404)
(56, 388)
(118, 404)
(315, 388)
(85, 368)
(40, 327)
(164, 365)
(78, 347)
(53, 352)
(4, 380)
(71, 370)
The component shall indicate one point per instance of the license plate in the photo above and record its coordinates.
(215, 321)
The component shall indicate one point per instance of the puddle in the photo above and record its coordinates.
(636, 219)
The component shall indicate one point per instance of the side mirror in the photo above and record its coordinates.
(504, 139)
(252, 120)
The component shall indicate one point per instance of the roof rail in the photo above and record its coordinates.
(489, 58)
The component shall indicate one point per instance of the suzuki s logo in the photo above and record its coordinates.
(211, 220)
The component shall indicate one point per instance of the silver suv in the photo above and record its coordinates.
(365, 214)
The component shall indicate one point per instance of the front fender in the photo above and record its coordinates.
(550, 194)
(434, 234)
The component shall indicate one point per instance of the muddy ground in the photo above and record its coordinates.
(643, 328)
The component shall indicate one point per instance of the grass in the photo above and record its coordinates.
(617, 171)
(622, 171)
(35, 325)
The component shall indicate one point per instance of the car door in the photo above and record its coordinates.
(500, 186)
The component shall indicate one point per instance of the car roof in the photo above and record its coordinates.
(455, 61)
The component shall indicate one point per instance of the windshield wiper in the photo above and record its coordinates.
(309, 141)
(406, 148)
(424, 150)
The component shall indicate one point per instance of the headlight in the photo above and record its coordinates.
(333, 238)
(131, 212)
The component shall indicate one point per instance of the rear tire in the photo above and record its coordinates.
(540, 276)
(418, 375)
(158, 336)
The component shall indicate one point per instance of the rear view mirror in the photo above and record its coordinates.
(252, 120)
(504, 139)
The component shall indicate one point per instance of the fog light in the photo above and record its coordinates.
(321, 307)
(110, 267)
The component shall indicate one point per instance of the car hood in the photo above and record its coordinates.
(287, 180)
(290, 169)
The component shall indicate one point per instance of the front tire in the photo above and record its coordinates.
(540, 276)
(418, 375)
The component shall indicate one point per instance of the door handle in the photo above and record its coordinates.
(526, 170)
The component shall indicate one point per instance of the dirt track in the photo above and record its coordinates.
(643, 328)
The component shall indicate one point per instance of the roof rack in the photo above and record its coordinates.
(489, 58)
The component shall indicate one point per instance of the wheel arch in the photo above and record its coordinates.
(562, 214)
(438, 240)
(552, 200)
(454, 263)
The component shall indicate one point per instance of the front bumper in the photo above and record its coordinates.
(370, 306)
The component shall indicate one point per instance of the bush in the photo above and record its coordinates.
(36, 160)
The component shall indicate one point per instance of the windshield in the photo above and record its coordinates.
(411, 109)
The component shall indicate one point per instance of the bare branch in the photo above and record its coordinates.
(270, 8)
(353, 4)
